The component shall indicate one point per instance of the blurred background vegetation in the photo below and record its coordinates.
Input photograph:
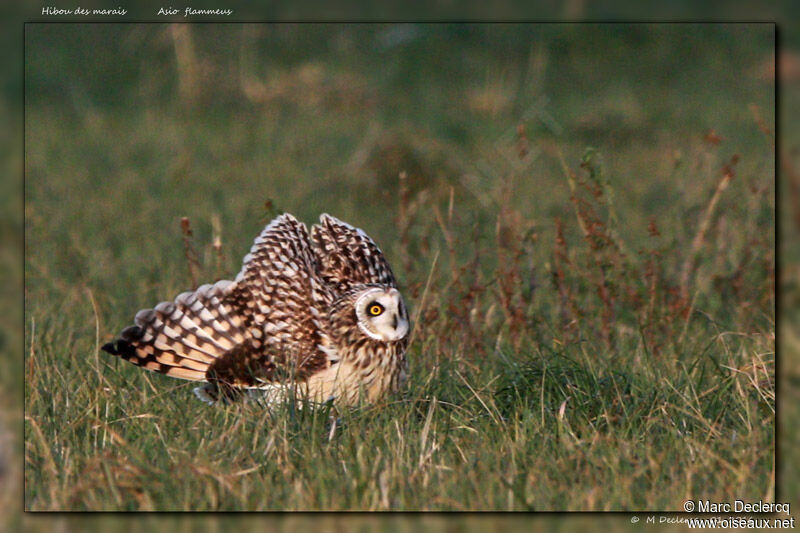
(131, 127)
(197, 120)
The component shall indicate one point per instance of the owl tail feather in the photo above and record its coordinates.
(185, 338)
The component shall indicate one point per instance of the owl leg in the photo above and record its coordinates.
(218, 391)
(207, 393)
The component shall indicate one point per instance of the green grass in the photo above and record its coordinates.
(590, 271)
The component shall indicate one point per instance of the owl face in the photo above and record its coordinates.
(382, 314)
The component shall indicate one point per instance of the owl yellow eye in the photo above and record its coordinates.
(375, 309)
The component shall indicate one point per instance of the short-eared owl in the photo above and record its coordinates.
(320, 313)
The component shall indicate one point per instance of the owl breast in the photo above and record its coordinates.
(365, 371)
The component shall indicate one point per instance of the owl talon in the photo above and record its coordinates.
(205, 393)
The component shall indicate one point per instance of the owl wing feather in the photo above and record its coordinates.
(284, 299)
(346, 256)
(184, 337)
(242, 333)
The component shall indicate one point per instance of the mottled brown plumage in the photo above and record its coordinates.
(320, 313)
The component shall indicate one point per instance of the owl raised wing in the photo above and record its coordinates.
(347, 256)
(251, 332)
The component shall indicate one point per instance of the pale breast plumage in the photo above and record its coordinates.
(317, 312)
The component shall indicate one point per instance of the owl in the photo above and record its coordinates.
(317, 315)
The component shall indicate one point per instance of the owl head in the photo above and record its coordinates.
(381, 314)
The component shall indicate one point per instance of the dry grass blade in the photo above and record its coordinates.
(423, 300)
(690, 264)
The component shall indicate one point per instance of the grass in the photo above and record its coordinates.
(586, 245)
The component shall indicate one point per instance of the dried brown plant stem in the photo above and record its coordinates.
(403, 220)
(571, 181)
(450, 242)
(793, 182)
(604, 247)
(559, 277)
(762, 125)
(189, 251)
(186, 61)
(219, 255)
(415, 322)
(690, 264)
(509, 237)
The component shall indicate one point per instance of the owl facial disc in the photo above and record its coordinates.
(382, 314)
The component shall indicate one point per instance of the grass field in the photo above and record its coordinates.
(581, 218)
